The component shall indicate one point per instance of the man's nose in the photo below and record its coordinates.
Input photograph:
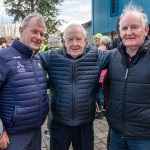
(74, 42)
(129, 31)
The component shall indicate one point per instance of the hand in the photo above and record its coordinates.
(4, 45)
(4, 140)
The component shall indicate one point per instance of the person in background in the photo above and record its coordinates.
(104, 42)
(54, 42)
(3, 42)
(99, 113)
(9, 40)
(23, 86)
(43, 48)
(97, 40)
(116, 41)
(129, 106)
(73, 77)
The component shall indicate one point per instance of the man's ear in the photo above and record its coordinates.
(146, 29)
(20, 30)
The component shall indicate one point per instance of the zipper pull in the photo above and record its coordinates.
(126, 73)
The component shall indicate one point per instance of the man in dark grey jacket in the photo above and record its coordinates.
(128, 111)
(73, 76)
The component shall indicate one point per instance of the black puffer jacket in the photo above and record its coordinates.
(128, 111)
(73, 83)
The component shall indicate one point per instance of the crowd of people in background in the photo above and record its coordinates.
(78, 83)
(6, 41)
(101, 43)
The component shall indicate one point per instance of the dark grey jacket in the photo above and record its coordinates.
(128, 111)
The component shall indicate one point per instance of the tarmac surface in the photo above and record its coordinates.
(100, 135)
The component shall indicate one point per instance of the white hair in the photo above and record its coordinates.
(72, 26)
(131, 7)
(55, 40)
(105, 40)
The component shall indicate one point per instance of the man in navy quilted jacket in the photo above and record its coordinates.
(73, 76)
(23, 84)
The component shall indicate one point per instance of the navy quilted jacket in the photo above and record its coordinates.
(73, 84)
(23, 84)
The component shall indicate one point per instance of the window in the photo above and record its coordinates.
(113, 7)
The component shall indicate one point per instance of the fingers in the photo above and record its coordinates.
(8, 142)
(4, 141)
(3, 146)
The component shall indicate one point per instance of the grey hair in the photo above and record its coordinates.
(131, 7)
(105, 40)
(74, 25)
(28, 18)
(55, 40)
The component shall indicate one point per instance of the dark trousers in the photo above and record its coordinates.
(49, 96)
(62, 136)
(30, 140)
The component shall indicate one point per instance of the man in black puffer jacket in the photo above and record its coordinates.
(129, 72)
(73, 76)
(23, 85)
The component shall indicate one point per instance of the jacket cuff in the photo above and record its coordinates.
(1, 128)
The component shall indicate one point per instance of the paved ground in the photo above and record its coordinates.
(100, 139)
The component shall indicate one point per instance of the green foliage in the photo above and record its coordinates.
(18, 9)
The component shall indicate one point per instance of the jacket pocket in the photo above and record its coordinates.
(25, 115)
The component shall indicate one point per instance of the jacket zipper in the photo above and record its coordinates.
(126, 75)
(123, 103)
(73, 93)
(32, 62)
(124, 97)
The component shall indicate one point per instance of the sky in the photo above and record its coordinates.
(75, 11)
(2, 8)
(72, 11)
(3, 16)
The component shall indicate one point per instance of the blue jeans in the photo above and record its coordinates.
(101, 97)
(117, 142)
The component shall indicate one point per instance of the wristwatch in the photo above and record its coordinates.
(1, 128)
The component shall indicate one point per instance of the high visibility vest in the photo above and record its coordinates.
(43, 48)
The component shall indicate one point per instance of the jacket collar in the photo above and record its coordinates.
(22, 48)
(143, 48)
(64, 52)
